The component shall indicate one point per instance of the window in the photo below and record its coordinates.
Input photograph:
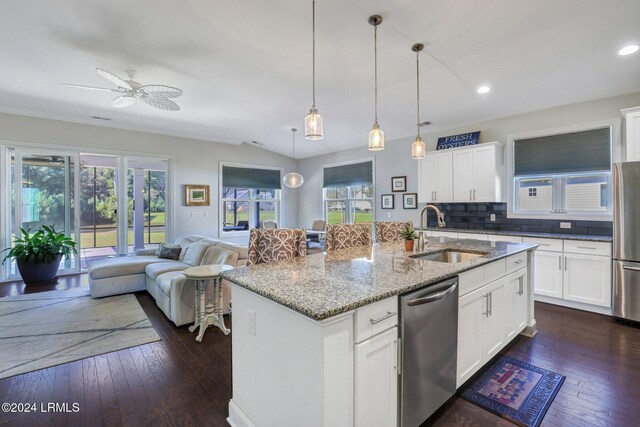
(348, 193)
(255, 199)
(563, 174)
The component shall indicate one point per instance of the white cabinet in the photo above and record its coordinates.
(515, 303)
(478, 174)
(436, 177)
(493, 338)
(465, 174)
(632, 134)
(376, 380)
(549, 276)
(471, 308)
(587, 279)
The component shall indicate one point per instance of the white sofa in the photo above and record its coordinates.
(163, 278)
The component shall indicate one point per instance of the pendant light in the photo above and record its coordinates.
(376, 135)
(418, 147)
(293, 179)
(313, 125)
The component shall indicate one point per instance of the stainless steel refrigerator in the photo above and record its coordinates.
(626, 241)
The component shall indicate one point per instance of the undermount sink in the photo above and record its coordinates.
(450, 256)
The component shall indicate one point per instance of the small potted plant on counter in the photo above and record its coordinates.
(38, 255)
(408, 233)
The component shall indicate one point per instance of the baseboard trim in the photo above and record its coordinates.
(574, 304)
(237, 418)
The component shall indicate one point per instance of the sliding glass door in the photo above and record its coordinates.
(43, 192)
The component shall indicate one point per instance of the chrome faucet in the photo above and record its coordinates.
(441, 223)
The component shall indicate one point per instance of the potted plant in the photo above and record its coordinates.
(408, 233)
(38, 255)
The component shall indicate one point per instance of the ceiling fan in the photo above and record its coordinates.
(157, 96)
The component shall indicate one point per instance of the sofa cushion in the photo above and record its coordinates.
(209, 241)
(121, 266)
(219, 255)
(243, 251)
(194, 253)
(164, 245)
(169, 252)
(154, 270)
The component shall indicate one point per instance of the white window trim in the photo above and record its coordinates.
(373, 185)
(280, 200)
(616, 156)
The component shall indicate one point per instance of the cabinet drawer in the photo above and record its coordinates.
(516, 262)
(476, 236)
(588, 248)
(471, 280)
(495, 270)
(552, 245)
(375, 318)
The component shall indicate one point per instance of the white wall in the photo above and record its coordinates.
(193, 161)
(395, 159)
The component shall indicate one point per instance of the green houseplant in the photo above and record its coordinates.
(408, 233)
(38, 254)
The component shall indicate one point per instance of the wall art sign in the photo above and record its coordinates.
(410, 201)
(196, 195)
(387, 201)
(455, 141)
(399, 184)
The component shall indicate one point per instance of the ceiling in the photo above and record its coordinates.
(245, 67)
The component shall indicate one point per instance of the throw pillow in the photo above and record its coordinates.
(168, 251)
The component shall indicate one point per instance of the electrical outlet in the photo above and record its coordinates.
(565, 225)
(493, 217)
(251, 322)
(388, 214)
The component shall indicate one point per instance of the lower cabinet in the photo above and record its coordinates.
(549, 275)
(488, 318)
(587, 279)
(376, 380)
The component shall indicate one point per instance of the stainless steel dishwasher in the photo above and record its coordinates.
(429, 337)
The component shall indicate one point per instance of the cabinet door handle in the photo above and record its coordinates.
(518, 261)
(521, 286)
(435, 195)
(586, 247)
(490, 304)
(381, 318)
(565, 263)
(474, 194)
(398, 366)
(470, 194)
(559, 262)
(486, 313)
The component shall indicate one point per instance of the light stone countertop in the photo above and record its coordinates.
(324, 285)
(585, 237)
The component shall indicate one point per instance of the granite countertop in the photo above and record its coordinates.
(324, 285)
(591, 238)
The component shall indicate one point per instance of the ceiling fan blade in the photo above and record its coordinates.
(161, 104)
(123, 101)
(104, 89)
(113, 79)
(161, 91)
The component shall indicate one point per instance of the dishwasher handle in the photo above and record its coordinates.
(433, 297)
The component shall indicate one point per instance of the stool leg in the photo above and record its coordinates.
(206, 309)
(217, 284)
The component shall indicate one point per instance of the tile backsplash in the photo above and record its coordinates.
(477, 216)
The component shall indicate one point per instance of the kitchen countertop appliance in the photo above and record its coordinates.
(429, 337)
(626, 241)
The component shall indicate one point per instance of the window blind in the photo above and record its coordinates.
(346, 175)
(233, 177)
(585, 151)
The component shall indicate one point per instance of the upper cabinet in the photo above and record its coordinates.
(632, 134)
(467, 174)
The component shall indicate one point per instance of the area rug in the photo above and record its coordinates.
(49, 328)
(517, 391)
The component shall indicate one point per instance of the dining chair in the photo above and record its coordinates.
(269, 224)
(341, 236)
(271, 245)
(389, 231)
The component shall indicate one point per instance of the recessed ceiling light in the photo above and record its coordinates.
(484, 89)
(628, 50)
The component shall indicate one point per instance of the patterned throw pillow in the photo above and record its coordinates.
(168, 251)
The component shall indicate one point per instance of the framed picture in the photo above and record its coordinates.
(399, 184)
(410, 201)
(196, 195)
(387, 201)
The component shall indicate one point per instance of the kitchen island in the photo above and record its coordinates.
(315, 338)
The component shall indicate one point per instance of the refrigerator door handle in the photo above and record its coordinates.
(628, 267)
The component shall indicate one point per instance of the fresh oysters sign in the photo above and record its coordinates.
(455, 141)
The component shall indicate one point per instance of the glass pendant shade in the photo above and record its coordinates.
(376, 138)
(293, 180)
(418, 148)
(313, 126)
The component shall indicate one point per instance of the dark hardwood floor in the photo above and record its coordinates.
(179, 382)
